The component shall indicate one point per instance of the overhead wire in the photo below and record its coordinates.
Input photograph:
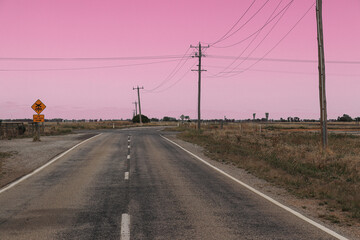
(175, 83)
(259, 30)
(247, 47)
(180, 79)
(89, 58)
(277, 44)
(175, 70)
(283, 59)
(241, 17)
(83, 68)
(292, 72)
(256, 13)
(264, 38)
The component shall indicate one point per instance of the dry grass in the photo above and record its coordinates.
(4, 155)
(68, 127)
(53, 128)
(293, 160)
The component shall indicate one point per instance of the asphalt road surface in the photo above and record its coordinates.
(153, 190)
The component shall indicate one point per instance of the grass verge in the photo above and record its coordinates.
(4, 155)
(293, 160)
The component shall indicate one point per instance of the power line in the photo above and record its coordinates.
(273, 27)
(88, 58)
(173, 72)
(256, 13)
(281, 59)
(255, 39)
(259, 30)
(175, 83)
(83, 68)
(288, 72)
(220, 39)
(180, 79)
(267, 53)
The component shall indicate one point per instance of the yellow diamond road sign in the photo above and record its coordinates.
(38, 106)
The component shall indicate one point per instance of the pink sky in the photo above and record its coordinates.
(113, 28)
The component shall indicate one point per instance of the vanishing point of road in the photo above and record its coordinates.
(134, 184)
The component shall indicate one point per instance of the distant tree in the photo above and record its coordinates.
(356, 119)
(296, 119)
(144, 119)
(154, 119)
(168, 119)
(345, 118)
(182, 117)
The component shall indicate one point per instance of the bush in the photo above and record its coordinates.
(345, 118)
(144, 119)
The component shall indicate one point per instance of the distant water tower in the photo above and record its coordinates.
(267, 116)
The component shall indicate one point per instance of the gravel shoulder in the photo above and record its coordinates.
(308, 207)
(26, 155)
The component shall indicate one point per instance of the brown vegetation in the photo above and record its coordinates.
(53, 128)
(4, 155)
(291, 159)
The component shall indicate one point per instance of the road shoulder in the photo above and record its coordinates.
(25, 155)
(307, 207)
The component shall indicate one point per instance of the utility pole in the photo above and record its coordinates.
(135, 107)
(199, 55)
(138, 92)
(322, 92)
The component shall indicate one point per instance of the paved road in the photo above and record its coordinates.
(168, 195)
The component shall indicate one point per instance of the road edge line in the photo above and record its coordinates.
(299, 215)
(23, 178)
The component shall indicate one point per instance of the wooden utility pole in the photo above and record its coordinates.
(135, 107)
(138, 92)
(199, 55)
(322, 92)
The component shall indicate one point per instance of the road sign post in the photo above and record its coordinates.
(38, 107)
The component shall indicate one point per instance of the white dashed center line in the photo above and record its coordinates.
(126, 175)
(125, 227)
